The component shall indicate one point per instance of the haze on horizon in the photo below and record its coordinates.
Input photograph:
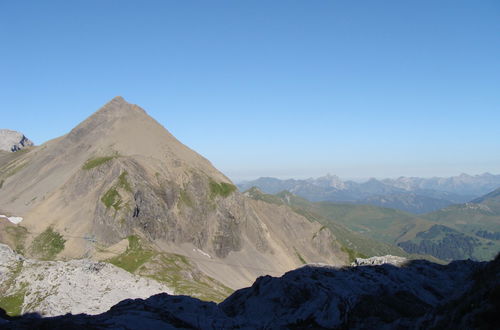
(282, 89)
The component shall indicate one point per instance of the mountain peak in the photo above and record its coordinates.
(118, 98)
(119, 106)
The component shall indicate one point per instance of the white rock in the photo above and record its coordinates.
(388, 259)
(13, 141)
(76, 286)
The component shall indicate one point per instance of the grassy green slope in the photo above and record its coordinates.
(476, 225)
(382, 224)
(175, 270)
(470, 218)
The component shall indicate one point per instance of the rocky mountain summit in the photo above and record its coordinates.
(13, 141)
(418, 295)
(119, 181)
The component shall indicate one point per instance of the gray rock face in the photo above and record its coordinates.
(420, 295)
(13, 141)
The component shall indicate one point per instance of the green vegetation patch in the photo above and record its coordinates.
(134, 257)
(123, 183)
(47, 245)
(98, 161)
(112, 199)
(13, 304)
(172, 269)
(222, 189)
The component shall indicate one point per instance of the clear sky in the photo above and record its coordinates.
(269, 88)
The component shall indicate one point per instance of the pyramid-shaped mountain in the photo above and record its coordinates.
(120, 174)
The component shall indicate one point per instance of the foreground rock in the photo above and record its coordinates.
(461, 295)
(57, 287)
(13, 141)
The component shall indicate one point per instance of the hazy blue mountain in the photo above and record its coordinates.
(410, 194)
(409, 202)
(462, 184)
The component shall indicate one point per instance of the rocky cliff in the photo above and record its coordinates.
(13, 141)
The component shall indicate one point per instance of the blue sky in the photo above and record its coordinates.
(269, 88)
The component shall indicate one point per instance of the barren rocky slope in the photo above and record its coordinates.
(121, 175)
(417, 295)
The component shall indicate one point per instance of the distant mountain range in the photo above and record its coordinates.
(410, 194)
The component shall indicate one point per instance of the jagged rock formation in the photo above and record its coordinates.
(420, 295)
(373, 261)
(52, 288)
(120, 173)
(13, 141)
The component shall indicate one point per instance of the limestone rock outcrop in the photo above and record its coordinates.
(13, 141)
(52, 288)
(380, 260)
